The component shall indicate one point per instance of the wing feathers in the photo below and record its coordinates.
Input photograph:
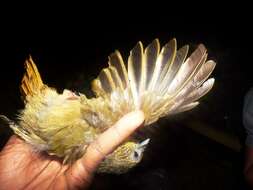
(106, 80)
(186, 107)
(158, 82)
(175, 66)
(150, 57)
(202, 74)
(97, 88)
(187, 70)
(135, 71)
(201, 91)
(116, 61)
(116, 78)
(167, 55)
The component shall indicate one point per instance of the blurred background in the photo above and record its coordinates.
(200, 149)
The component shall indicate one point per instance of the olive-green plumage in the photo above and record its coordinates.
(159, 82)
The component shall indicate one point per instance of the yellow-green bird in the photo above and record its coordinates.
(158, 82)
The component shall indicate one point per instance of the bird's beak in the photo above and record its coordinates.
(143, 144)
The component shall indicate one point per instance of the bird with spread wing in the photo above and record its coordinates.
(160, 82)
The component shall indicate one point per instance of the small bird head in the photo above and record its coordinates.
(123, 158)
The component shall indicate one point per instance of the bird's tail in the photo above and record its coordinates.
(31, 82)
(158, 82)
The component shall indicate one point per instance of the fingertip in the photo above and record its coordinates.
(138, 117)
(132, 120)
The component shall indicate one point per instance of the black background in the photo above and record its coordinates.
(67, 43)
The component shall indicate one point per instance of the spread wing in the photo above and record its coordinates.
(159, 82)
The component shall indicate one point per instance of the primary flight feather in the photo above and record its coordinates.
(158, 81)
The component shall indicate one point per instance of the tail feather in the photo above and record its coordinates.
(31, 82)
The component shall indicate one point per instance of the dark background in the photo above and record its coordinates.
(71, 47)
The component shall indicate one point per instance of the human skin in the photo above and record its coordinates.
(23, 168)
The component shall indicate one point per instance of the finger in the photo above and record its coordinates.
(111, 138)
(106, 143)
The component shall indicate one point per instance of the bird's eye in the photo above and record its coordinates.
(136, 155)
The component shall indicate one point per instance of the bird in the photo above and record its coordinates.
(159, 81)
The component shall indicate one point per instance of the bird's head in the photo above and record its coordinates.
(124, 157)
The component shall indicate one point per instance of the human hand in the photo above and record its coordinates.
(21, 167)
